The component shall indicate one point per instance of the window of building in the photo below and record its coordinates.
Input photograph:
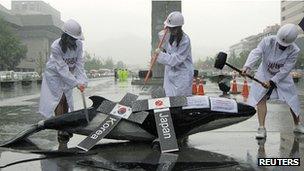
(283, 9)
(17, 7)
(24, 6)
(32, 6)
(283, 18)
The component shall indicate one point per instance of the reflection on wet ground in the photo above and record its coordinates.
(230, 148)
(124, 156)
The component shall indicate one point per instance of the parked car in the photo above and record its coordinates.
(7, 75)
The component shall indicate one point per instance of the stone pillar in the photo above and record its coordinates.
(160, 11)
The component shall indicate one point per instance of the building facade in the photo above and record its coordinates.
(292, 11)
(37, 24)
(35, 7)
(251, 42)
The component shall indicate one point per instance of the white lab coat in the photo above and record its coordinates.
(276, 66)
(63, 72)
(178, 68)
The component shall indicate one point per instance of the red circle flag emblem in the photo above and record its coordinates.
(122, 110)
(159, 103)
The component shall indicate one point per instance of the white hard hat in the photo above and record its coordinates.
(174, 19)
(287, 34)
(73, 28)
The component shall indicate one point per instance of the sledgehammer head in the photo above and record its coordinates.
(220, 60)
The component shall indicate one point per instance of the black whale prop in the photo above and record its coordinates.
(186, 122)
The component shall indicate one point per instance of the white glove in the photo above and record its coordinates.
(158, 50)
(245, 71)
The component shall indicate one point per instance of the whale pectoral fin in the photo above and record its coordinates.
(22, 135)
(97, 100)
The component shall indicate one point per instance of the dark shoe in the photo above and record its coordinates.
(62, 146)
(64, 136)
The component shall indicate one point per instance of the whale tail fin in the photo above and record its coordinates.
(22, 135)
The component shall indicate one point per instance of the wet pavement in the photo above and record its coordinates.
(229, 148)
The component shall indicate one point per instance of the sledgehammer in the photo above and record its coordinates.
(154, 57)
(84, 104)
(220, 62)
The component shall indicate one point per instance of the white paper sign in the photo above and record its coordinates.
(194, 102)
(159, 103)
(121, 111)
(223, 105)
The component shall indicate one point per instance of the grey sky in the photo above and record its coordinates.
(121, 28)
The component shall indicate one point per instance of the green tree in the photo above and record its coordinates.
(92, 63)
(242, 58)
(238, 60)
(198, 64)
(209, 62)
(40, 63)
(300, 61)
(11, 48)
(120, 64)
(232, 58)
(109, 63)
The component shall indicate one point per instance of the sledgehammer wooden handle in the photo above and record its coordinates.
(154, 57)
(85, 107)
(249, 76)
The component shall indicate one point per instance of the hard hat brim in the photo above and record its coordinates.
(81, 37)
(283, 43)
(170, 25)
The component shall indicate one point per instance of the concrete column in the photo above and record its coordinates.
(160, 11)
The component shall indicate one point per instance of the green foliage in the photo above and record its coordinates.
(11, 48)
(209, 62)
(92, 63)
(238, 60)
(40, 63)
(204, 64)
(300, 61)
(198, 64)
(109, 63)
(120, 64)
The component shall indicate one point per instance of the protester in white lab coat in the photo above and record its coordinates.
(279, 54)
(177, 58)
(64, 71)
